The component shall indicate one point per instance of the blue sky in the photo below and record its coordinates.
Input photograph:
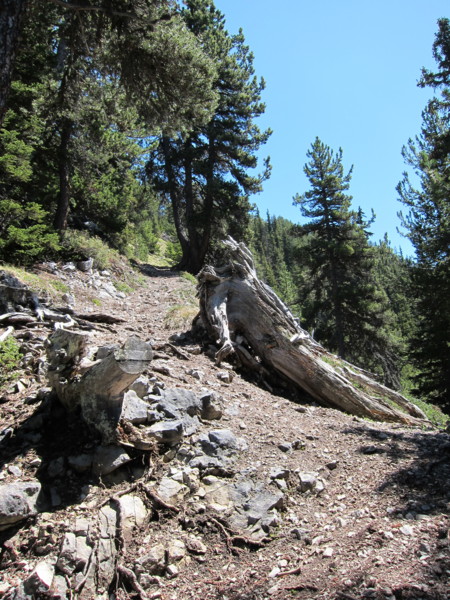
(345, 71)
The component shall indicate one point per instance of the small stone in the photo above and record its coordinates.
(196, 546)
(40, 580)
(274, 572)
(285, 446)
(14, 470)
(80, 463)
(176, 550)
(18, 501)
(332, 465)
(328, 552)
(108, 458)
(225, 376)
(172, 571)
(407, 530)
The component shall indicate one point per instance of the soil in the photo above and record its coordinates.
(379, 529)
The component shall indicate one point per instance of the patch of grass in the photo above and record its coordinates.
(180, 316)
(432, 412)
(189, 277)
(10, 356)
(121, 286)
(60, 286)
(96, 301)
(79, 245)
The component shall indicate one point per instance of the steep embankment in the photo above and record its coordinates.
(254, 496)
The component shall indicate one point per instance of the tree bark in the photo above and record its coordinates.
(62, 209)
(248, 320)
(99, 391)
(11, 15)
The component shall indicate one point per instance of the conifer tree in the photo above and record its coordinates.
(428, 226)
(341, 302)
(204, 175)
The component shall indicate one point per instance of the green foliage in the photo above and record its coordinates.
(79, 245)
(189, 277)
(205, 175)
(341, 302)
(10, 356)
(428, 224)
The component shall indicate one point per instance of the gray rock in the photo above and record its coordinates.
(133, 514)
(67, 559)
(85, 265)
(141, 386)
(40, 580)
(210, 407)
(108, 458)
(18, 501)
(166, 432)
(134, 409)
(80, 463)
(172, 491)
(307, 481)
(285, 446)
(56, 467)
(58, 589)
(224, 438)
(153, 562)
(107, 522)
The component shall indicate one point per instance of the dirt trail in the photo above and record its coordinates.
(376, 527)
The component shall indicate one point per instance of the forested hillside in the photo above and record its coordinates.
(134, 124)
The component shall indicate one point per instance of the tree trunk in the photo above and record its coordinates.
(250, 321)
(11, 15)
(99, 391)
(62, 209)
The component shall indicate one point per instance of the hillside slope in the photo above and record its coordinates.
(261, 497)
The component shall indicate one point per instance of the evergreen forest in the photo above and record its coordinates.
(133, 125)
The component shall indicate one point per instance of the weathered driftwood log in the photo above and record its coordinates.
(97, 390)
(248, 320)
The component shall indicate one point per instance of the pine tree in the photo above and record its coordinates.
(428, 226)
(205, 175)
(340, 299)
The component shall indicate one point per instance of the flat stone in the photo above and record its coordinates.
(134, 409)
(108, 458)
(58, 589)
(166, 432)
(107, 521)
(196, 546)
(67, 559)
(18, 501)
(224, 438)
(133, 514)
(176, 550)
(171, 491)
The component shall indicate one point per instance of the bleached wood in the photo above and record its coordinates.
(248, 319)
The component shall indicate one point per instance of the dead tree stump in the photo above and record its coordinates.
(247, 319)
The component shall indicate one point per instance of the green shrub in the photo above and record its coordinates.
(10, 356)
(79, 245)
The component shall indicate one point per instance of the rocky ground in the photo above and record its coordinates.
(242, 493)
